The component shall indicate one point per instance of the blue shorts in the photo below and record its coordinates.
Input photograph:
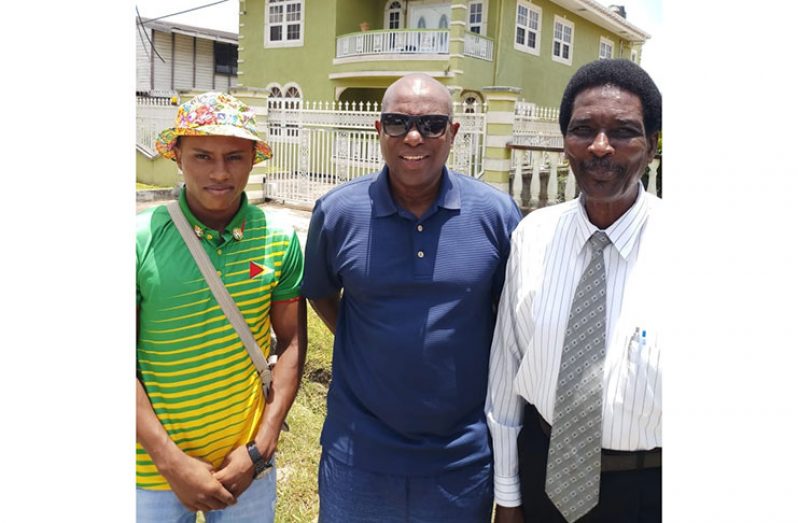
(255, 505)
(349, 495)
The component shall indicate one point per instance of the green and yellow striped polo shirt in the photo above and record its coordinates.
(194, 367)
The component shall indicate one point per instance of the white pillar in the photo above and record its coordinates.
(652, 176)
(570, 185)
(518, 156)
(551, 187)
(534, 183)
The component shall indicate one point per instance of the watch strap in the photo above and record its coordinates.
(261, 465)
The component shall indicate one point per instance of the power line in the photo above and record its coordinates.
(140, 25)
(181, 12)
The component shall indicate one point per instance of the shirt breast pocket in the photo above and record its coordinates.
(642, 372)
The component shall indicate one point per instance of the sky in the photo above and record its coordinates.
(645, 14)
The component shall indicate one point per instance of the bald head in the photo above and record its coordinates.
(417, 85)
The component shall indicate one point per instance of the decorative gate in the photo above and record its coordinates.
(318, 146)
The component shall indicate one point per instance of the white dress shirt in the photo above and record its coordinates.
(547, 258)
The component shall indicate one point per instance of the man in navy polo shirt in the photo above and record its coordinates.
(420, 254)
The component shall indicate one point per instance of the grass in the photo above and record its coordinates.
(299, 450)
(147, 187)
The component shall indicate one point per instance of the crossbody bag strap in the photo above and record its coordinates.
(219, 291)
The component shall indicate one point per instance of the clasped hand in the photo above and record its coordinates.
(201, 488)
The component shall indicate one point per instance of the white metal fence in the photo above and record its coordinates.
(153, 115)
(318, 146)
(535, 125)
(537, 152)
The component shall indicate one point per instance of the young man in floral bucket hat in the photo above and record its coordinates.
(206, 434)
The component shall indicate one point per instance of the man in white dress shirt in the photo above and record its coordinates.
(610, 117)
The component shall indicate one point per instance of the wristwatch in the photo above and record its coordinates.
(262, 466)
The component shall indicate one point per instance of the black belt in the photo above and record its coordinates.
(619, 460)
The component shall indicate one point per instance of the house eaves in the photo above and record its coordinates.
(189, 30)
(603, 17)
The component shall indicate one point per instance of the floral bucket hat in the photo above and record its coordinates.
(213, 114)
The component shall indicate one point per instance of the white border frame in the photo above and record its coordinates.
(483, 26)
(295, 85)
(606, 41)
(565, 23)
(272, 85)
(267, 44)
(522, 47)
(402, 14)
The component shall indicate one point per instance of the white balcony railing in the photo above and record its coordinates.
(402, 42)
(536, 125)
(478, 46)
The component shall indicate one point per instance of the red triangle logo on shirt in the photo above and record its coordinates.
(254, 269)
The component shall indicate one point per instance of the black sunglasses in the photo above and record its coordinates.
(428, 125)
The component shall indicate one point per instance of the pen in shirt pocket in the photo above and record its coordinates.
(635, 339)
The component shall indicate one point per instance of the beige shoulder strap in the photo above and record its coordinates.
(223, 297)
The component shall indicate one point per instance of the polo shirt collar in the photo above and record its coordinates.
(626, 229)
(448, 195)
(235, 229)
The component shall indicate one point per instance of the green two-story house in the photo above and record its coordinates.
(351, 50)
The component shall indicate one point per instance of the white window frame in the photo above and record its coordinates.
(296, 87)
(271, 88)
(284, 23)
(608, 43)
(633, 56)
(401, 10)
(558, 20)
(483, 23)
(530, 7)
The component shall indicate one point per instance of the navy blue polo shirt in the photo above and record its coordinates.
(410, 358)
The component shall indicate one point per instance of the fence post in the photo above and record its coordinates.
(257, 99)
(499, 118)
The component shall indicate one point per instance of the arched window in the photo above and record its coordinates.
(468, 104)
(393, 15)
(293, 95)
(472, 102)
(275, 92)
(443, 22)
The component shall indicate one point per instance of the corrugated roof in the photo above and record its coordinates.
(199, 32)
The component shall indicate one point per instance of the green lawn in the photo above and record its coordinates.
(299, 450)
(147, 187)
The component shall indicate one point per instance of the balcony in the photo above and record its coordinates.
(478, 46)
(402, 44)
(377, 56)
